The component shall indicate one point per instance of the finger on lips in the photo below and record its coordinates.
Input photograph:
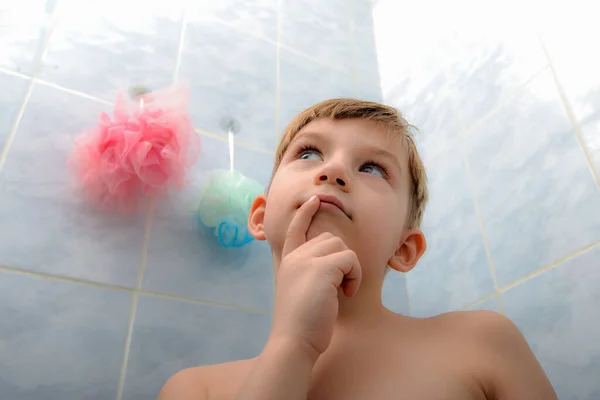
(296, 234)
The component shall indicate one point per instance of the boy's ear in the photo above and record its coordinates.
(256, 217)
(409, 252)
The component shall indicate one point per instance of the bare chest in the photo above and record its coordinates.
(391, 374)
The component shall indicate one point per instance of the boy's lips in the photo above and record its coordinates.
(328, 199)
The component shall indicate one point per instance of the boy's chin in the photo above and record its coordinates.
(324, 224)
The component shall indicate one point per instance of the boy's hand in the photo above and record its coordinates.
(308, 279)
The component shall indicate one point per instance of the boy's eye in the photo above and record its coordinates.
(309, 154)
(374, 169)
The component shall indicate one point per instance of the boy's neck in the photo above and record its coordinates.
(364, 311)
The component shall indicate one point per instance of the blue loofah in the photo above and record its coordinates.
(225, 205)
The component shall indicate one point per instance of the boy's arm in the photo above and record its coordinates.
(188, 384)
(282, 371)
(512, 371)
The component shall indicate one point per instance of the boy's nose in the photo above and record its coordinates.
(339, 181)
(334, 172)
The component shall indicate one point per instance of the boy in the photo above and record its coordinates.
(344, 204)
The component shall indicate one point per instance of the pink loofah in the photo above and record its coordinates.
(142, 151)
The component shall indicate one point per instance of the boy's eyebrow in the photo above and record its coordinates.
(376, 152)
(386, 154)
(310, 134)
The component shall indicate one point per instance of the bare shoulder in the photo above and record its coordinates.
(497, 353)
(469, 334)
(477, 323)
(481, 332)
(219, 381)
(487, 330)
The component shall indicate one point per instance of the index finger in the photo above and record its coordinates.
(296, 233)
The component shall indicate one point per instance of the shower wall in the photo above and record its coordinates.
(97, 306)
(507, 99)
(104, 307)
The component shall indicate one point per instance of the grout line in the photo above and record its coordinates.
(14, 73)
(251, 33)
(500, 303)
(224, 137)
(146, 244)
(248, 32)
(500, 104)
(67, 279)
(55, 86)
(37, 64)
(51, 26)
(181, 45)
(204, 302)
(463, 134)
(134, 299)
(106, 102)
(13, 129)
(571, 115)
(478, 302)
(74, 92)
(549, 266)
(108, 286)
(100, 285)
(219, 136)
(480, 220)
(124, 362)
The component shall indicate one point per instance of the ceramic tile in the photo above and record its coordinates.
(576, 65)
(491, 67)
(98, 48)
(11, 96)
(321, 30)
(214, 155)
(60, 340)
(533, 183)
(454, 271)
(48, 227)
(256, 165)
(491, 304)
(184, 334)
(363, 35)
(414, 49)
(484, 60)
(187, 261)
(52, 120)
(394, 294)
(24, 26)
(411, 59)
(303, 83)
(230, 74)
(559, 314)
(591, 137)
(369, 91)
(258, 17)
(427, 103)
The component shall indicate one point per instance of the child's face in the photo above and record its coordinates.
(364, 168)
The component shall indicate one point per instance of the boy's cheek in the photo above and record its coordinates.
(275, 226)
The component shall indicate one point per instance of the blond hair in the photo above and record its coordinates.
(386, 116)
